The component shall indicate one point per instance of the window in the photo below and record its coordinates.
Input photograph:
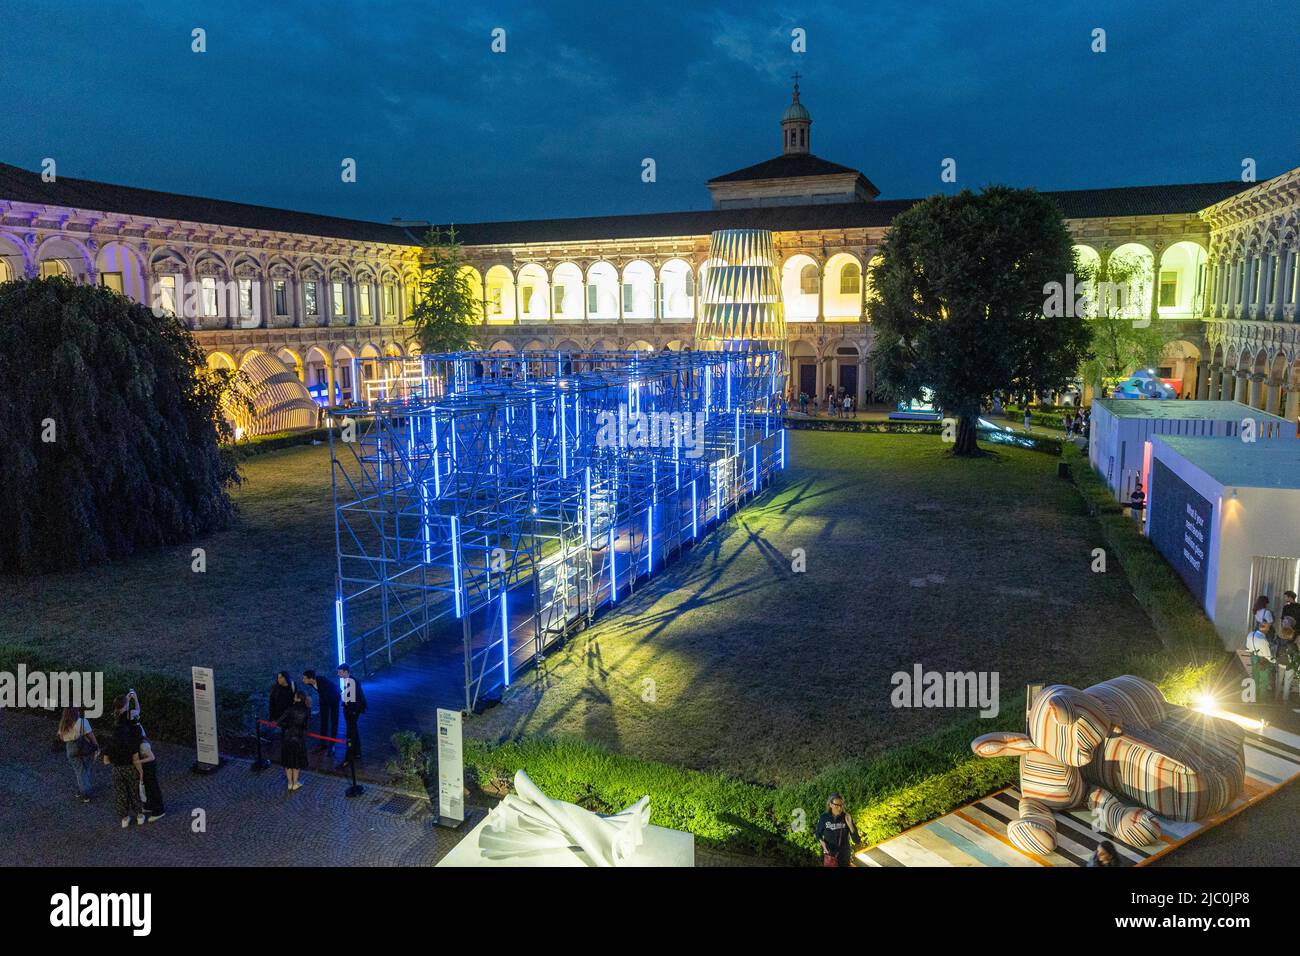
(111, 280)
(245, 297)
(5, 274)
(165, 294)
(627, 297)
(690, 285)
(1254, 280)
(557, 298)
(809, 280)
(1271, 292)
(280, 292)
(363, 300)
(1168, 289)
(494, 300)
(53, 267)
(209, 287)
(309, 294)
(339, 303)
(388, 298)
(526, 292)
(593, 300)
(1293, 278)
(850, 279)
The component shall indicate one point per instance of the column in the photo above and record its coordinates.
(1202, 379)
(821, 378)
(1256, 390)
(1242, 392)
(329, 379)
(861, 397)
(1272, 397)
(1155, 285)
(1293, 402)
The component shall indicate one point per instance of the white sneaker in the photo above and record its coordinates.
(139, 819)
(126, 822)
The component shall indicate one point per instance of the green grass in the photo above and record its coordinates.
(264, 603)
(732, 663)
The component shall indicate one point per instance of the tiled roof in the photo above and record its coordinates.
(785, 166)
(20, 185)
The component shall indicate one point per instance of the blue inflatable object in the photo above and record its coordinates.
(1143, 385)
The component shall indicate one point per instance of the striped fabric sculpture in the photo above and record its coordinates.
(1116, 742)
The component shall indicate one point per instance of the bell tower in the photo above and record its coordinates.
(796, 123)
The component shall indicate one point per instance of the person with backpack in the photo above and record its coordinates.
(836, 833)
(123, 755)
(80, 744)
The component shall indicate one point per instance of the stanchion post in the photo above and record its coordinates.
(356, 789)
(261, 763)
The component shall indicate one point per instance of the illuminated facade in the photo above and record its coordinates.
(327, 296)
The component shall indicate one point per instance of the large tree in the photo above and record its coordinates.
(447, 312)
(957, 303)
(110, 429)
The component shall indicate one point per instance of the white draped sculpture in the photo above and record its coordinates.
(529, 823)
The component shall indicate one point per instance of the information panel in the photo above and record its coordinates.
(451, 768)
(1180, 525)
(205, 718)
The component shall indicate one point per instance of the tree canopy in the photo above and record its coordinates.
(957, 298)
(110, 429)
(447, 312)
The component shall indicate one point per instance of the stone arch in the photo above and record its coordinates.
(499, 294)
(677, 290)
(58, 254)
(842, 287)
(638, 291)
(603, 295)
(801, 283)
(15, 257)
(534, 293)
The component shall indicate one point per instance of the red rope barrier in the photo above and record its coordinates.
(272, 723)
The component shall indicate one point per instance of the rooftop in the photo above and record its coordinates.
(1269, 463)
(20, 185)
(1176, 409)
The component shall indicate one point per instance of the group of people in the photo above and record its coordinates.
(289, 708)
(1077, 424)
(128, 751)
(1272, 644)
(838, 403)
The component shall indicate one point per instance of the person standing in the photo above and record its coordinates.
(154, 808)
(836, 833)
(1027, 418)
(1290, 609)
(1260, 611)
(293, 748)
(123, 755)
(281, 696)
(354, 705)
(848, 405)
(80, 744)
(327, 692)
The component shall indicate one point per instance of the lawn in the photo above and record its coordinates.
(733, 662)
(264, 603)
(729, 660)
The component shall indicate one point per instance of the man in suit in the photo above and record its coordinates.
(354, 705)
(327, 691)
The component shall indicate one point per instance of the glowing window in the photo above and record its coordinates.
(363, 299)
(810, 280)
(310, 297)
(340, 302)
(850, 279)
(1168, 289)
(111, 280)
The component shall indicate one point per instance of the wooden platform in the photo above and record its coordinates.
(976, 834)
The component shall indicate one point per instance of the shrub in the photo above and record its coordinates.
(278, 440)
(167, 702)
(108, 431)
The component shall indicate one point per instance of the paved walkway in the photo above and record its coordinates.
(250, 818)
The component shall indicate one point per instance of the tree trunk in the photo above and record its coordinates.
(966, 445)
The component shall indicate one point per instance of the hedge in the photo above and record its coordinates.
(277, 440)
(167, 702)
(1050, 446)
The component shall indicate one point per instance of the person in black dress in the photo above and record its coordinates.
(293, 749)
(281, 696)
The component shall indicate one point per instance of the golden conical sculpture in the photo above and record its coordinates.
(742, 306)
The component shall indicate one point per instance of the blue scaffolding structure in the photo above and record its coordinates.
(504, 499)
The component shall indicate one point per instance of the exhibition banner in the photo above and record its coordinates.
(451, 767)
(205, 718)
(1179, 525)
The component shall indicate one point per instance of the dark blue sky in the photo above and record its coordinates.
(442, 128)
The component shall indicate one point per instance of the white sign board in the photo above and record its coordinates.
(205, 716)
(451, 767)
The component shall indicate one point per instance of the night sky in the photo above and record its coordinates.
(558, 125)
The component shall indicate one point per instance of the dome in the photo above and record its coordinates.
(796, 112)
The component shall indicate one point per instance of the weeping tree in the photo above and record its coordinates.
(111, 430)
(958, 295)
(447, 312)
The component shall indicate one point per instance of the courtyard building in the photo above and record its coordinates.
(307, 303)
